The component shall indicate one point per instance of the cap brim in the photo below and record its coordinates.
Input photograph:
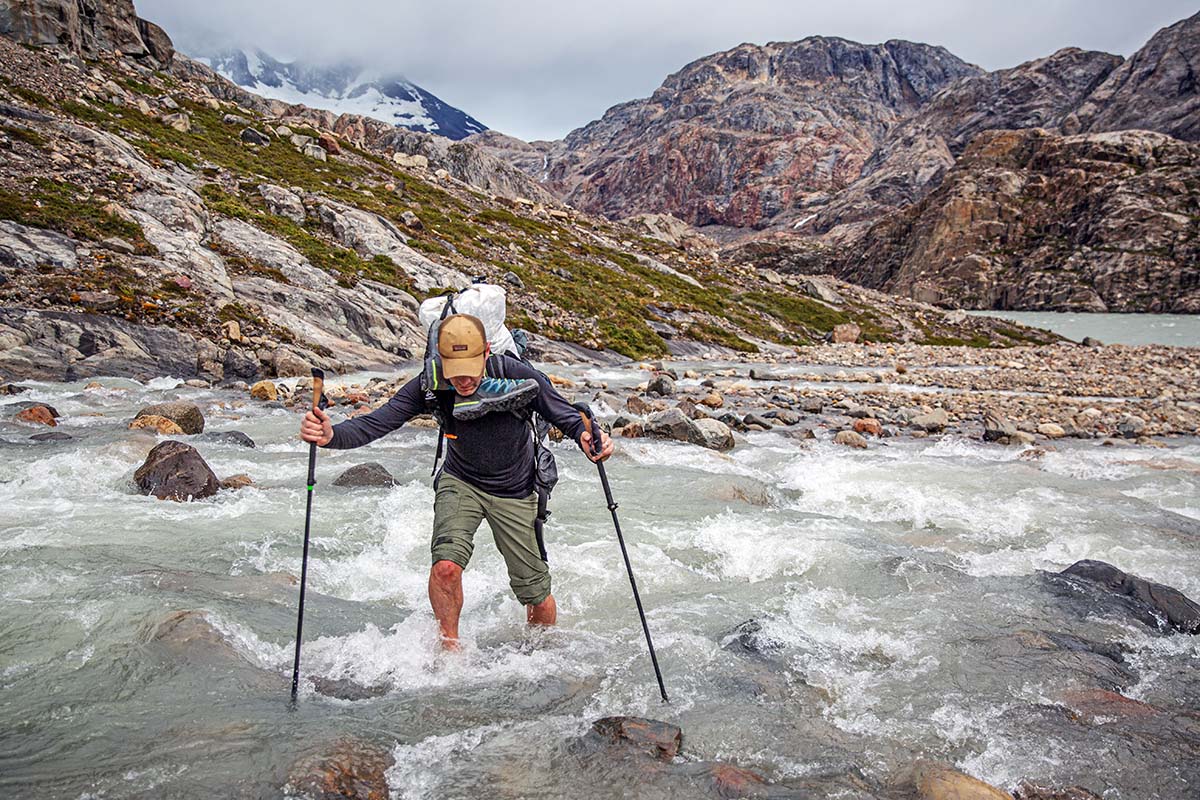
(463, 367)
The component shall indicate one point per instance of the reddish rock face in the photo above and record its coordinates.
(735, 138)
(1031, 220)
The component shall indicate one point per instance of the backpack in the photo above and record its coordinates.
(439, 401)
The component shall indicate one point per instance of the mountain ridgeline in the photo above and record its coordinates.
(797, 156)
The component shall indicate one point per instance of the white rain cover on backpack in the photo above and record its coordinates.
(485, 301)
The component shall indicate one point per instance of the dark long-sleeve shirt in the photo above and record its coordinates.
(493, 453)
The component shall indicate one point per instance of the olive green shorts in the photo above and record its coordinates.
(459, 507)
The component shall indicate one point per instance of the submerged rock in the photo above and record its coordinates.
(345, 689)
(1104, 587)
(186, 415)
(1028, 790)
(346, 769)
(369, 474)
(175, 471)
(659, 739)
(929, 780)
(239, 481)
(228, 437)
(748, 639)
(51, 436)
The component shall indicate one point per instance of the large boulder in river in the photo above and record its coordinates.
(369, 474)
(1154, 604)
(187, 416)
(674, 424)
(661, 384)
(717, 435)
(997, 428)
(175, 471)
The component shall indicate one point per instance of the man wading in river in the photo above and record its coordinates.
(489, 468)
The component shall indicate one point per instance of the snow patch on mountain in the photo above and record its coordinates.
(345, 89)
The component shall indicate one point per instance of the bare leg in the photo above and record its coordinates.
(544, 613)
(446, 598)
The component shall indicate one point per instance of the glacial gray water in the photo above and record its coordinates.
(892, 583)
(1176, 330)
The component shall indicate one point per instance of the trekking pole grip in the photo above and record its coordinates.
(318, 388)
(592, 426)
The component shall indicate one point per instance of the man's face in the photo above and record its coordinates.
(466, 386)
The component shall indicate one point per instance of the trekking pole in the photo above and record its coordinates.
(318, 402)
(594, 428)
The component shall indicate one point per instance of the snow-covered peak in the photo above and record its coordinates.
(345, 88)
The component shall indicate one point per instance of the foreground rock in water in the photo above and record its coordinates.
(38, 414)
(175, 471)
(1101, 587)
(1028, 790)
(658, 739)
(369, 474)
(929, 780)
(348, 770)
(187, 416)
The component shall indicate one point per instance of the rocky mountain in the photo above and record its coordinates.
(915, 156)
(168, 222)
(86, 28)
(1030, 219)
(740, 137)
(1157, 89)
(797, 155)
(344, 89)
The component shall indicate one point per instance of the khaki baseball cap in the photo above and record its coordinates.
(462, 344)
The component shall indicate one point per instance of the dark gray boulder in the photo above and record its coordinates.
(227, 437)
(674, 424)
(369, 474)
(51, 436)
(662, 385)
(1100, 587)
(175, 471)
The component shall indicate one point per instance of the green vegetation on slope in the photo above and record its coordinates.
(66, 208)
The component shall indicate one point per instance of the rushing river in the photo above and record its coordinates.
(891, 582)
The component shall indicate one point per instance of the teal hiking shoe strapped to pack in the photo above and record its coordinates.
(495, 394)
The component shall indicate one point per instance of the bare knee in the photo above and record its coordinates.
(446, 573)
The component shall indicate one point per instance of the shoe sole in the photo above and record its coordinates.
(474, 409)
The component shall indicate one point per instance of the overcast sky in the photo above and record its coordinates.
(539, 69)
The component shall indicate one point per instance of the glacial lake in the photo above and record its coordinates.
(1178, 330)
